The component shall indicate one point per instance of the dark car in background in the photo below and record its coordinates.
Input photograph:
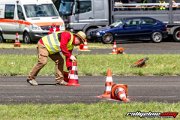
(134, 28)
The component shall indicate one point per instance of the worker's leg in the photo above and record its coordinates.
(42, 61)
(59, 64)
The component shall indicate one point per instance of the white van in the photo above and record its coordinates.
(31, 19)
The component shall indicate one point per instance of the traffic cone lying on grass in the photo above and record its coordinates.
(140, 63)
(108, 85)
(120, 50)
(119, 92)
(84, 47)
(17, 42)
(73, 75)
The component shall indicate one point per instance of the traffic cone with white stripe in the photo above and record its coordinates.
(17, 42)
(114, 51)
(84, 47)
(119, 92)
(73, 75)
(108, 85)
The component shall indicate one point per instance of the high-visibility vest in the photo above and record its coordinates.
(52, 43)
(161, 6)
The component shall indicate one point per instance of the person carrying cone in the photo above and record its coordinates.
(52, 46)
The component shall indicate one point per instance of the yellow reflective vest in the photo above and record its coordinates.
(52, 43)
(161, 5)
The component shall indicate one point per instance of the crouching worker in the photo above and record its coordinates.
(51, 46)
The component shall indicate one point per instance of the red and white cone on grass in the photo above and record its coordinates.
(114, 51)
(120, 50)
(119, 92)
(84, 47)
(108, 85)
(17, 42)
(140, 63)
(73, 75)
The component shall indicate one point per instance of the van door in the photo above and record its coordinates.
(83, 14)
(20, 21)
(100, 12)
(9, 26)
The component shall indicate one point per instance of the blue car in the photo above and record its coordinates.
(135, 28)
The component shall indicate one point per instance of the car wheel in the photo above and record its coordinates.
(107, 38)
(26, 38)
(1, 38)
(157, 37)
(176, 35)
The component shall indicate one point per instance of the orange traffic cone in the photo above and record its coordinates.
(84, 47)
(119, 92)
(120, 50)
(108, 85)
(140, 63)
(17, 43)
(73, 75)
(81, 46)
(114, 51)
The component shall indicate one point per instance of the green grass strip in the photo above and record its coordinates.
(94, 65)
(97, 111)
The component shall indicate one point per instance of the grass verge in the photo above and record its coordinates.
(97, 111)
(94, 65)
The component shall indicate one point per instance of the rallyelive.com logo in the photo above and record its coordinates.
(153, 114)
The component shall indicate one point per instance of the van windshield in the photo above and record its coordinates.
(66, 8)
(43, 10)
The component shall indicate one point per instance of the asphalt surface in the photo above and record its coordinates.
(130, 48)
(144, 89)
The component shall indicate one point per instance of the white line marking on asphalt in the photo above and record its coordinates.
(13, 85)
(99, 85)
(139, 85)
(152, 96)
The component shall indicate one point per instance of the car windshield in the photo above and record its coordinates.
(43, 10)
(117, 23)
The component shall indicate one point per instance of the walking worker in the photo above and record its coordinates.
(52, 46)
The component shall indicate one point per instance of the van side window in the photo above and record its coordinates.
(9, 11)
(20, 13)
(83, 6)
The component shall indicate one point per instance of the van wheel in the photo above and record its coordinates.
(107, 38)
(1, 38)
(157, 37)
(176, 35)
(26, 38)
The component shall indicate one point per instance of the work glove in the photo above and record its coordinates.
(73, 58)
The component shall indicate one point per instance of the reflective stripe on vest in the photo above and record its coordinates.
(52, 43)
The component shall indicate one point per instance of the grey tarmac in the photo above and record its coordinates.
(15, 90)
